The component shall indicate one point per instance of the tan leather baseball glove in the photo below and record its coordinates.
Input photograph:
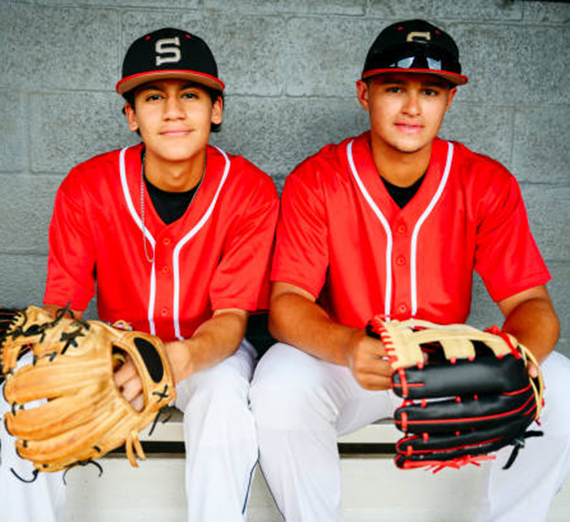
(83, 415)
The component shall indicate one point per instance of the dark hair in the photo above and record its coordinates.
(129, 97)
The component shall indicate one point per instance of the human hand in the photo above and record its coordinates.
(130, 384)
(368, 362)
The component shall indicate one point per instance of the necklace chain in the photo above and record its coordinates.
(148, 258)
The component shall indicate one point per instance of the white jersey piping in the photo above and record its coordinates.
(148, 235)
(419, 223)
(382, 219)
(185, 239)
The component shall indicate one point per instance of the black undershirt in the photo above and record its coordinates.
(403, 195)
(170, 206)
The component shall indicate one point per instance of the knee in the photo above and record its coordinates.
(287, 391)
(216, 398)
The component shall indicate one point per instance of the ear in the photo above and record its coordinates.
(218, 111)
(450, 96)
(362, 92)
(131, 117)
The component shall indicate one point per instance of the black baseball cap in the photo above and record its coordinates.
(414, 46)
(169, 53)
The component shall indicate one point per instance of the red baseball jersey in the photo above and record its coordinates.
(214, 257)
(342, 238)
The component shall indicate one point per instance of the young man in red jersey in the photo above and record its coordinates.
(394, 222)
(174, 236)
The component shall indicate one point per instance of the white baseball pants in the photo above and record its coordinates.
(42, 500)
(302, 404)
(221, 451)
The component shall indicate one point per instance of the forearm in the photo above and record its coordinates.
(212, 342)
(296, 320)
(535, 324)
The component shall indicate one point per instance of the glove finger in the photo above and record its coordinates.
(88, 441)
(48, 380)
(447, 446)
(480, 376)
(56, 416)
(450, 415)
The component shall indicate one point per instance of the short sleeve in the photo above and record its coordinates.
(507, 257)
(71, 259)
(241, 279)
(301, 253)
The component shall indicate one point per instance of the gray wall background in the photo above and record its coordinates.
(290, 68)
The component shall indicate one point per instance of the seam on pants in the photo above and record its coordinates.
(249, 485)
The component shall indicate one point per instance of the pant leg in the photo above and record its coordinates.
(41, 501)
(220, 438)
(301, 404)
(525, 491)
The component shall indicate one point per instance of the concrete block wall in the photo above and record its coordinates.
(290, 68)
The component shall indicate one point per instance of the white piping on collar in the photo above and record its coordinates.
(148, 235)
(419, 223)
(382, 219)
(185, 239)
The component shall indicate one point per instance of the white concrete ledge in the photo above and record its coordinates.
(381, 432)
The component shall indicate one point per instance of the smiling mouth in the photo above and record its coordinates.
(175, 133)
(409, 127)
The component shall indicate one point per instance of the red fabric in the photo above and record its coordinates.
(94, 239)
(331, 243)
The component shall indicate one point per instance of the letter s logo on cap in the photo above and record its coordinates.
(167, 50)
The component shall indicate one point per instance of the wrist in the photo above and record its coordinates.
(179, 357)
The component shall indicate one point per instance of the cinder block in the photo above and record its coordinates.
(558, 289)
(22, 279)
(541, 153)
(547, 12)
(188, 4)
(70, 127)
(548, 208)
(470, 124)
(435, 10)
(326, 7)
(276, 134)
(514, 64)
(52, 47)
(485, 312)
(325, 56)
(25, 212)
(563, 347)
(250, 50)
(13, 138)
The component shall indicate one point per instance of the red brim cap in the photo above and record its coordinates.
(169, 54)
(133, 81)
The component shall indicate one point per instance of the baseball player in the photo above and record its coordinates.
(394, 222)
(174, 236)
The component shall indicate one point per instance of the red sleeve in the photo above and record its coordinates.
(241, 278)
(301, 253)
(71, 259)
(506, 256)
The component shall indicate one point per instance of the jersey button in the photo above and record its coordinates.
(164, 311)
(166, 241)
(401, 261)
(402, 229)
(402, 308)
(165, 270)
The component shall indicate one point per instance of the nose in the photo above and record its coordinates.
(412, 104)
(173, 108)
